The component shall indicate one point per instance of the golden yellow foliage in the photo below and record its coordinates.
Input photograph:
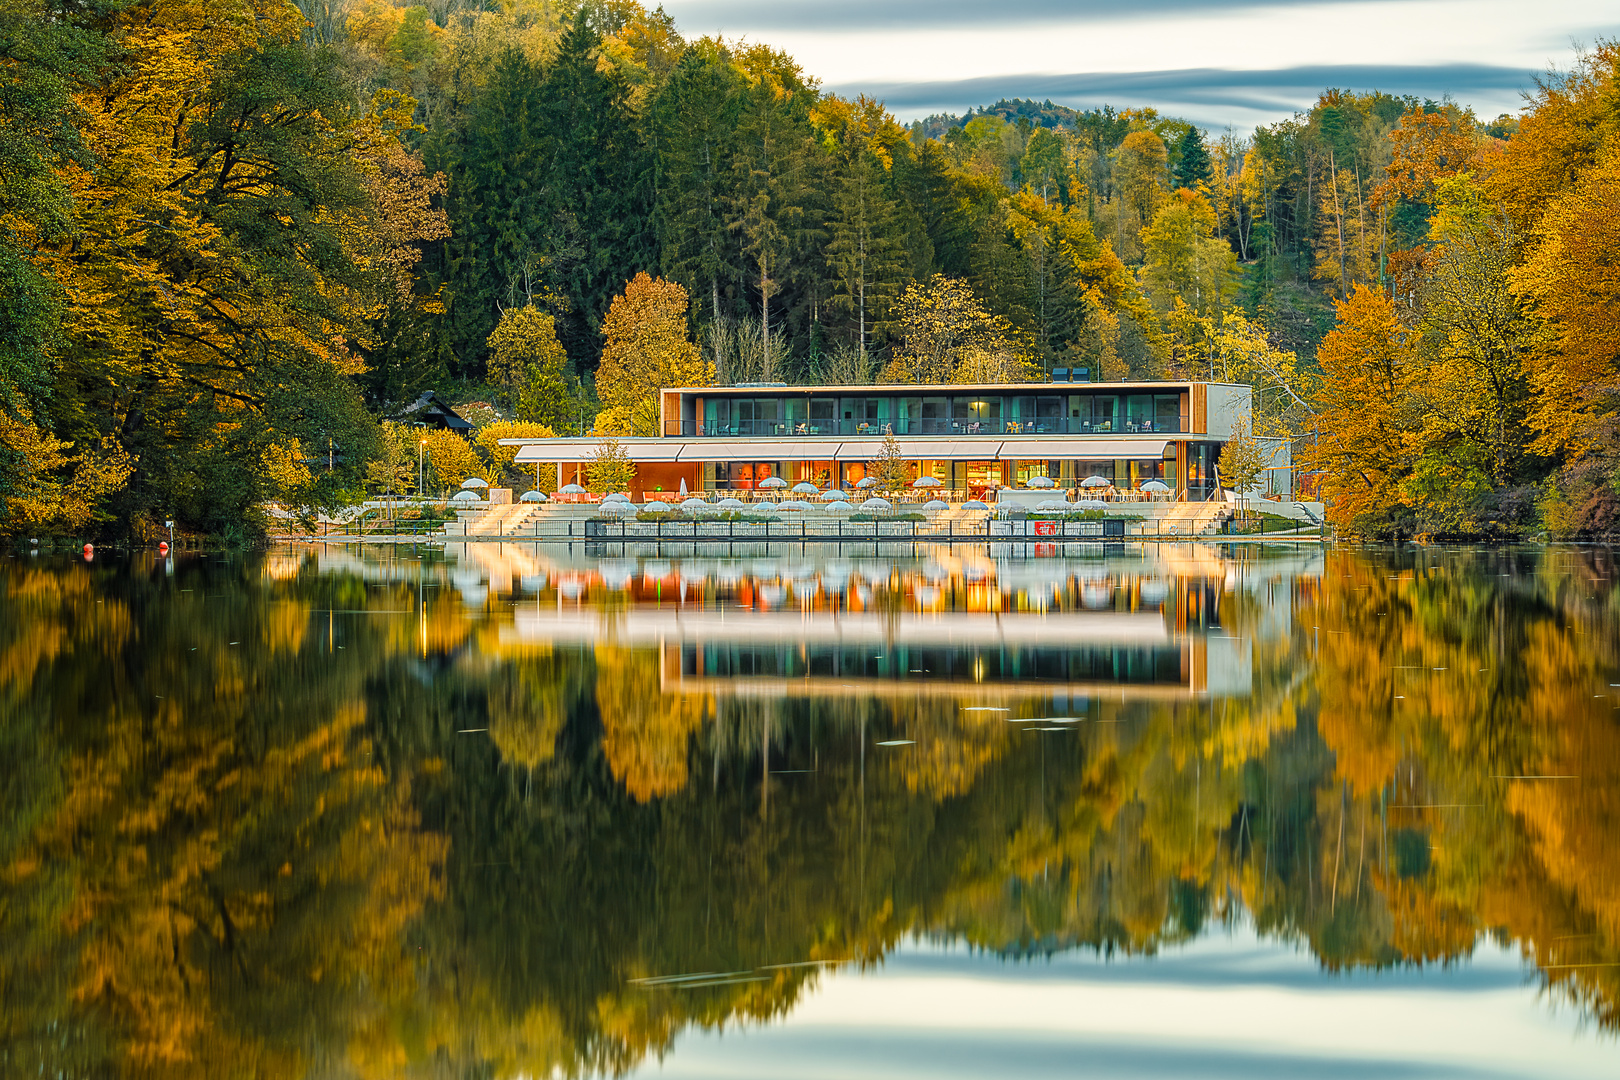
(646, 349)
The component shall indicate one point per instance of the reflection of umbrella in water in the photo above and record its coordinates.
(1040, 482)
(927, 595)
(570, 589)
(1154, 592)
(1096, 482)
(655, 570)
(729, 575)
(1097, 596)
(772, 594)
(533, 582)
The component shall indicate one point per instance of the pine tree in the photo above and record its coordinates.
(1192, 162)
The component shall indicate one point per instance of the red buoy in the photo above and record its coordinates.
(89, 552)
(163, 548)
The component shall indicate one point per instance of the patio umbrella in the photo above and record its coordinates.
(763, 508)
(610, 506)
(1041, 482)
(694, 504)
(532, 497)
(936, 504)
(840, 508)
(975, 504)
(1053, 504)
(656, 507)
(1096, 482)
(1091, 504)
(834, 495)
(866, 482)
(614, 496)
(730, 504)
(464, 497)
(473, 482)
(925, 482)
(877, 504)
(683, 487)
(1156, 487)
(570, 489)
(792, 504)
(773, 482)
(803, 488)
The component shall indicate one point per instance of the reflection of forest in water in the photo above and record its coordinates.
(282, 816)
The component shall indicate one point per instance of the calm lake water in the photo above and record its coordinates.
(504, 811)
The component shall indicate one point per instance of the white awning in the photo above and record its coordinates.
(933, 449)
(571, 451)
(759, 449)
(1041, 447)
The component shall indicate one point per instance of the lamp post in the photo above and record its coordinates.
(421, 447)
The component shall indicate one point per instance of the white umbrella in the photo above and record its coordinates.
(1155, 592)
(473, 482)
(1053, 504)
(866, 482)
(1096, 482)
(925, 482)
(570, 489)
(611, 507)
(877, 504)
(532, 497)
(683, 487)
(694, 504)
(1156, 487)
(975, 504)
(615, 496)
(803, 488)
(656, 507)
(464, 497)
(773, 482)
(840, 508)
(1091, 504)
(1041, 482)
(793, 504)
(936, 504)
(730, 504)
(834, 495)
(762, 508)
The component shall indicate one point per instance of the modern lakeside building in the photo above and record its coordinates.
(973, 439)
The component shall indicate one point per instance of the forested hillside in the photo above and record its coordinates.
(236, 236)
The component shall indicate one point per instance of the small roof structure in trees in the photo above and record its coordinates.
(432, 412)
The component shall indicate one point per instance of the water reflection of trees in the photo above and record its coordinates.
(309, 853)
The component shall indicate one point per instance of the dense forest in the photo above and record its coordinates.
(237, 237)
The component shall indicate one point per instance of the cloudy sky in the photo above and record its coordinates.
(1212, 61)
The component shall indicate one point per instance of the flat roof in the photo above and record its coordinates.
(930, 388)
(832, 448)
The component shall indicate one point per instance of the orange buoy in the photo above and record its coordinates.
(89, 552)
(163, 548)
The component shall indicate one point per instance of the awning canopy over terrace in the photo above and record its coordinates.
(568, 451)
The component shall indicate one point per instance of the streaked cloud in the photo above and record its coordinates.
(1214, 62)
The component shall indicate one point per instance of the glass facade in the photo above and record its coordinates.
(880, 413)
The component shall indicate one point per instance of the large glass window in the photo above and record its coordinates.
(1139, 412)
(1167, 412)
(977, 416)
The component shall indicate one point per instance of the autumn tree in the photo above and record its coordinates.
(610, 469)
(645, 349)
(890, 468)
(944, 330)
(526, 359)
